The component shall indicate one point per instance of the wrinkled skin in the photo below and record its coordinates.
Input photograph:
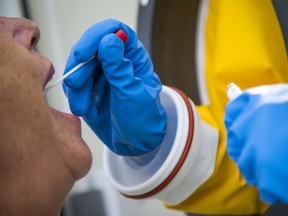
(42, 153)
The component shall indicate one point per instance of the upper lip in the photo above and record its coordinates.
(49, 75)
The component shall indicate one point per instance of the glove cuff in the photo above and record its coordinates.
(184, 160)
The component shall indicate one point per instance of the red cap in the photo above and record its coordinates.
(121, 34)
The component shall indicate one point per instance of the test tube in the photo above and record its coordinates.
(233, 91)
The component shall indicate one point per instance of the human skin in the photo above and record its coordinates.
(42, 153)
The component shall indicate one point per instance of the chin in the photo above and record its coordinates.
(74, 150)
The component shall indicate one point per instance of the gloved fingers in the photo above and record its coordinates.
(81, 75)
(272, 166)
(272, 195)
(99, 100)
(269, 197)
(117, 69)
(272, 185)
(79, 99)
(234, 109)
(246, 163)
(71, 61)
(238, 125)
(98, 117)
(87, 46)
(101, 92)
(91, 116)
(141, 61)
(233, 146)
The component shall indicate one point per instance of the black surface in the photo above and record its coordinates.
(85, 204)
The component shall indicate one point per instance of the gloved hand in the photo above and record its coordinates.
(257, 126)
(117, 93)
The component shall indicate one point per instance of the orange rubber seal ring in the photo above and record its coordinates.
(183, 156)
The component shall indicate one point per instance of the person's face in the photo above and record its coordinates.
(42, 153)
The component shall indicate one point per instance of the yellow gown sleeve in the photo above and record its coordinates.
(243, 44)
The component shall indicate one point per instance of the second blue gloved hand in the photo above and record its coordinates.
(257, 126)
(118, 93)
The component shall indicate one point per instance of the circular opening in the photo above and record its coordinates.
(132, 179)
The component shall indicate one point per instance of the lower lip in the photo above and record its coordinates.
(65, 115)
(67, 122)
(71, 116)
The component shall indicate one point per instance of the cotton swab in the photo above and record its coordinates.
(120, 33)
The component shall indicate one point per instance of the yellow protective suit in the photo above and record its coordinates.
(244, 44)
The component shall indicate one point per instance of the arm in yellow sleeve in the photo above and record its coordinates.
(243, 44)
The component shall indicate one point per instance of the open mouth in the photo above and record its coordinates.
(54, 111)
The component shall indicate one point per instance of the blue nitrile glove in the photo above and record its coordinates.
(257, 126)
(118, 93)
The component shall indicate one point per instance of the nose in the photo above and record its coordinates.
(25, 32)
